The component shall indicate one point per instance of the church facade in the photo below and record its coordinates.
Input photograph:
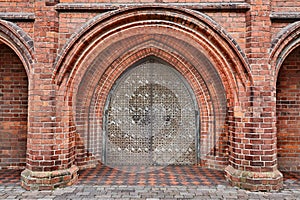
(150, 83)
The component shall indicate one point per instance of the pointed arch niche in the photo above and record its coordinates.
(286, 67)
(16, 59)
(192, 44)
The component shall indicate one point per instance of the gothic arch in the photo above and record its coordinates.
(283, 44)
(19, 41)
(94, 57)
(194, 23)
(285, 64)
(16, 61)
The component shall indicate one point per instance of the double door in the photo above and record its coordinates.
(151, 118)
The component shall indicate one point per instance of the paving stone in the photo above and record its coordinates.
(91, 192)
(11, 197)
(45, 198)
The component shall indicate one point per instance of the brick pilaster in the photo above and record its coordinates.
(49, 163)
(253, 162)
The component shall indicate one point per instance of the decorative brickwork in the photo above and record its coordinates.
(141, 43)
(61, 59)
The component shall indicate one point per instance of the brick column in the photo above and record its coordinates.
(49, 161)
(253, 159)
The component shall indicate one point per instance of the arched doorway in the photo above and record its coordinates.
(88, 79)
(288, 113)
(13, 109)
(151, 118)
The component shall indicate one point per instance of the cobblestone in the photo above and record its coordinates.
(91, 192)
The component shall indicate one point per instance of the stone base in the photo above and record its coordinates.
(48, 180)
(254, 181)
(88, 164)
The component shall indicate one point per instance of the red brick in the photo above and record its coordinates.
(228, 56)
(288, 111)
(13, 98)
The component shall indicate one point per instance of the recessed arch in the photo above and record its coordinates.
(193, 22)
(285, 63)
(209, 58)
(161, 121)
(196, 82)
(13, 108)
(288, 112)
(17, 58)
(282, 45)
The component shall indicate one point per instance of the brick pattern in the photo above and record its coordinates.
(17, 6)
(226, 19)
(27, 27)
(69, 23)
(13, 109)
(285, 6)
(50, 149)
(41, 149)
(288, 113)
(254, 148)
(62, 62)
(153, 176)
(277, 27)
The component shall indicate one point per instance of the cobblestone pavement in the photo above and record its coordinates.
(94, 184)
(91, 192)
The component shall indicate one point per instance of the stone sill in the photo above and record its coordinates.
(285, 16)
(17, 16)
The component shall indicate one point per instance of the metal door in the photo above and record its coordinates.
(151, 118)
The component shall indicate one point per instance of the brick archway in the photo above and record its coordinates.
(13, 108)
(209, 111)
(282, 45)
(192, 43)
(287, 112)
(196, 25)
(16, 60)
(14, 37)
(285, 62)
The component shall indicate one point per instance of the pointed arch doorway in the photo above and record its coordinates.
(151, 118)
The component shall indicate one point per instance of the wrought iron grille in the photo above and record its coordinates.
(151, 118)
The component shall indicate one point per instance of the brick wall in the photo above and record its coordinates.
(13, 109)
(16, 6)
(71, 22)
(285, 6)
(226, 19)
(288, 113)
(237, 43)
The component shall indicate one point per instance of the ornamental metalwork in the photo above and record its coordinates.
(151, 118)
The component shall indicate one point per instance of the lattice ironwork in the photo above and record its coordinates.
(151, 118)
